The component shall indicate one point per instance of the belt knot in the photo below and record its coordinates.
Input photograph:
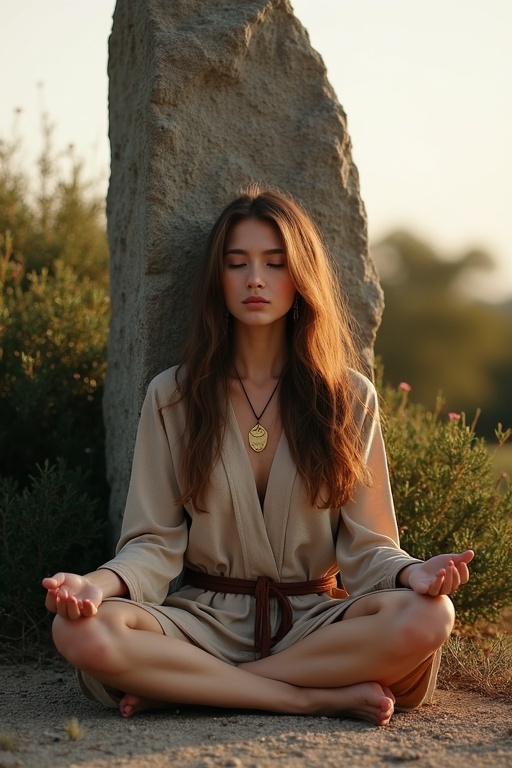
(262, 589)
(265, 589)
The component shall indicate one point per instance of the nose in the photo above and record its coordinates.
(254, 278)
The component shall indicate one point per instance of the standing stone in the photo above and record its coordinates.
(205, 97)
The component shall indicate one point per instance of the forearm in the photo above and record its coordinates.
(109, 582)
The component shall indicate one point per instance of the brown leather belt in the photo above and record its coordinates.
(263, 589)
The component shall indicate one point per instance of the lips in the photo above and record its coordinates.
(255, 300)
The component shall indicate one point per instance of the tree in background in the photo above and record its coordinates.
(437, 338)
(54, 214)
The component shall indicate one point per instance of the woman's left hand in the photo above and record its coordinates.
(441, 575)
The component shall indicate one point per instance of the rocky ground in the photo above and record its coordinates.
(46, 723)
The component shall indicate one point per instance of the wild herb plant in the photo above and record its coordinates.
(52, 368)
(448, 497)
(51, 525)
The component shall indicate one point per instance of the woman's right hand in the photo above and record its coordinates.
(72, 596)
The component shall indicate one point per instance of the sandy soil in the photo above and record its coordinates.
(459, 729)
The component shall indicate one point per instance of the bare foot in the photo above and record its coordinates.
(130, 704)
(364, 701)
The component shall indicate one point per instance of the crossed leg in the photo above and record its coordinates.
(345, 669)
(383, 637)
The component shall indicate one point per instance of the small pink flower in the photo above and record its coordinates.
(453, 416)
(405, 386)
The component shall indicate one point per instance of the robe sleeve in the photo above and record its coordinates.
(154, 533)
(368, 550)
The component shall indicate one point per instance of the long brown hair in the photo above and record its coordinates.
(317, 397)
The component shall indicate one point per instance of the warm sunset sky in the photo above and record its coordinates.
(426, 84)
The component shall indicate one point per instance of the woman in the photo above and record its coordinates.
(259, 467)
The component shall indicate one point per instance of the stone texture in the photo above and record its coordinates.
(206, 96)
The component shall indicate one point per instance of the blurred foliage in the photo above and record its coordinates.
(436, 337)
(448, 497)
(51, 525)
(54, 312)
(60, 217)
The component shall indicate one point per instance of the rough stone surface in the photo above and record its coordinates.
(206, 96)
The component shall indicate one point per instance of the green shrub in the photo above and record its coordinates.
(52, 367)
(54, 213)
(50, 526)
(54, 312)
(448, 498)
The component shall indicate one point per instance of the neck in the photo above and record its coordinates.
(259, 353)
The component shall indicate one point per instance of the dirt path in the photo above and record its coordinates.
(460, 730)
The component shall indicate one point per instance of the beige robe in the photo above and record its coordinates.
(286, 540)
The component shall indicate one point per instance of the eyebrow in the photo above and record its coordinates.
(241, 252)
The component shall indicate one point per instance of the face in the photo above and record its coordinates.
(258, 288)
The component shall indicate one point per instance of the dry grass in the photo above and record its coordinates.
(7, 742)
(480, 660)
(74, 730)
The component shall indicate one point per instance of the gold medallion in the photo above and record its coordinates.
(258, 437)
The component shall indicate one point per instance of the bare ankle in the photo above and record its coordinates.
(310, 701)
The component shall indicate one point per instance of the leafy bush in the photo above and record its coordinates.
(54, 312)
(448, 498)
(52, 368)
(49, 526)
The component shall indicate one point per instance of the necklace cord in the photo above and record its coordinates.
(248, 400)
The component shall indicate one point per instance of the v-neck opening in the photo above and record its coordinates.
(247, 459)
